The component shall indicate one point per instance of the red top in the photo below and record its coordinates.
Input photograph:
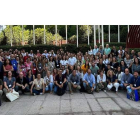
(7, 67)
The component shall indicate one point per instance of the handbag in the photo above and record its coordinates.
(12, 96)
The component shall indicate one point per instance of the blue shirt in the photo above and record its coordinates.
(95, 51)
(89, 78)
(14, 64)
(135, 81)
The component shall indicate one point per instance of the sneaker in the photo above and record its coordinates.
(34, 94)
(41, 93)
(105, 91)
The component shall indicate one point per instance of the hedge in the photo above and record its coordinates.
(69, 47)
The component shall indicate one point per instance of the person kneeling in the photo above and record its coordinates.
(74, 82)
(38, 83)
(101, 82)
(60, 84)
(9, 85)
(112, 81)
(89, 82)
(48, 81)
(21, 84)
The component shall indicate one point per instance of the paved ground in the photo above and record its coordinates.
(77, 104)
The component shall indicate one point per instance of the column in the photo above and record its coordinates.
(44, 35)
(56, 35)
(77, 35)
(128, 28)
(66, 36)
(109, 32)
(94, 35)
(11, 35)
(88, 33)
(34, 34)
(118, 33)
(103, 36)
(99, 33)
(22, 36)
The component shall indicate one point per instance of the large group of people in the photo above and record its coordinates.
(55, 72)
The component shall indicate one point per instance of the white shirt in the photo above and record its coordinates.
(64, 62)
(90, 52)
(23, 54)
(31, 55)
(99, 79)
(106, 61)
(49, 79)
(119, 51)
(72, 61)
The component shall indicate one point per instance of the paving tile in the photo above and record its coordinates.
(65, 107)
(35, 108)
(112, 94)
(20, 108)
(50, 107)
(66, 96)
(98, 113)
(94, 105)
(108, 104)
(101, 94)
(122, 103)
(88, 96)
(77, 96)
(79, 105)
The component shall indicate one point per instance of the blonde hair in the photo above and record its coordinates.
(109, 72)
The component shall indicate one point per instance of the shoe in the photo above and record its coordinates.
(105, 91)
(34, 94)
(41, 93)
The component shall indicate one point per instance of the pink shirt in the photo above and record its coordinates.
(28, 65)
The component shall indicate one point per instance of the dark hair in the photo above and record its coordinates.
(6, 60)
(124, 63)
(135, 61)
(86, 65)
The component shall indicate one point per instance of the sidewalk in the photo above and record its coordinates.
(77, 104)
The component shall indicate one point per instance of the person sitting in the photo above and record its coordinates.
(30, 78)
(74, 82)
(101, 82)
(1, 92)
(89, 81)
(136, 66)
(125, 80)
(101, 65)
(85, 67)
(60, 83)
(21, 84)
(9, 84)
(119, 74)
(112, 81)
(38, 87)
(48, 81)
(135, 82)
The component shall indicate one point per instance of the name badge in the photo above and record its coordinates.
(52, 66)
(14, 64)
(9, 86)
(60, 82)
(40, 67)
(38, 85)
(74, 82)
(88, 81)
(47, 86)
(34, 69)
(126, 82)
(57, 65)
(23, 69)
(134, 85)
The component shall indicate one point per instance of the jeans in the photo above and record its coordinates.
(37, 91)
(49, 87)
(17, 88)
(56, 87)
(90, 84)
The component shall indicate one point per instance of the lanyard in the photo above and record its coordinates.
(135, 80)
